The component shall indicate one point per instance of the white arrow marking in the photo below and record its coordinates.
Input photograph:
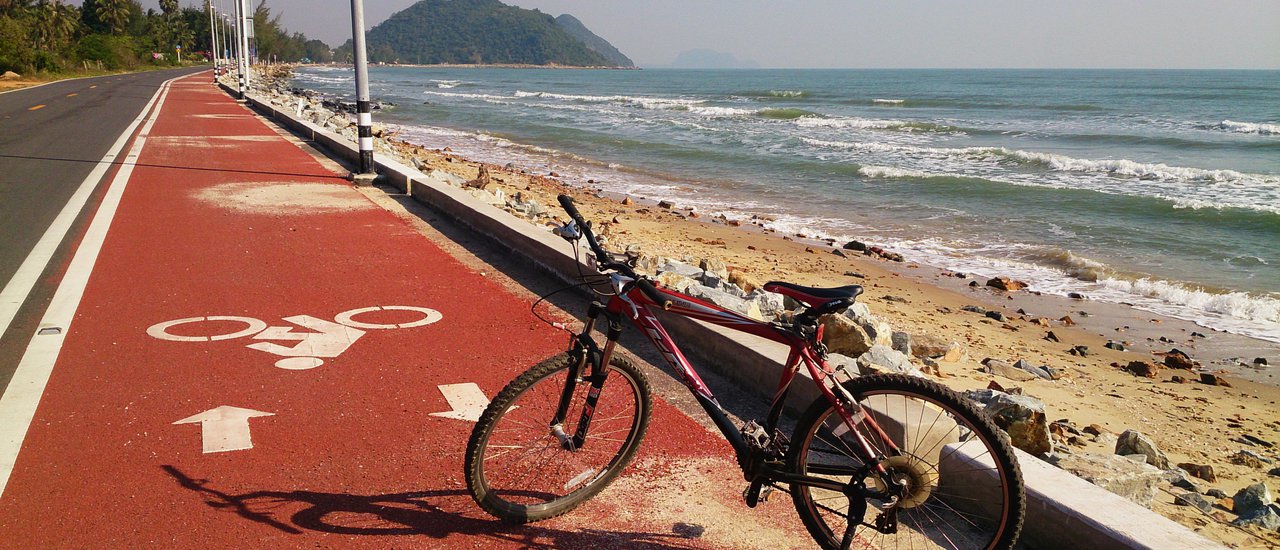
(466, 400)
(225, 428)
(330, 340)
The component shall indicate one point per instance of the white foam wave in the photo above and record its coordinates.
(1238, 305)
(1249, 127)
(850, 122)
(721, 111)
(468, 96)
(639, 101)
(786, 93)
(889, 101)
(890, 172)
(446, 84)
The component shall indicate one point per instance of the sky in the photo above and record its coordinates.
(1193, 34)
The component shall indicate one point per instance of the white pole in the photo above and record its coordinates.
(213, 43)
(244, 41)
(364, 122)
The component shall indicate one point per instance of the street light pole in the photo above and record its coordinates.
(213, 43)
(364, 121)
(241, 21)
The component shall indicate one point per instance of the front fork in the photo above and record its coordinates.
(585, 354)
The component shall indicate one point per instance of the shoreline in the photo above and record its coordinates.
(1190, 422)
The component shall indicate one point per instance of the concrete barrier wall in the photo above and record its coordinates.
(1063, 511)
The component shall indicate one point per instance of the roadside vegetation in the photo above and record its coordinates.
(50, 39)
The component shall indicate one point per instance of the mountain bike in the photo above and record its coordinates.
(876, 461)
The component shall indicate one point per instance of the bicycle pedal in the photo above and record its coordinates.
(766, 493)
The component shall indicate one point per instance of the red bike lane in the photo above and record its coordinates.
(257, 359)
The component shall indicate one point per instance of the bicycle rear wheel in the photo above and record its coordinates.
(519, 470)
(957, 481)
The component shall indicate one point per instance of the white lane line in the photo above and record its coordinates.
(18, 405)
(24, 279)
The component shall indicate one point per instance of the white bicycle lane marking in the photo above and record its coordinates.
(324, 340)
(226, 428)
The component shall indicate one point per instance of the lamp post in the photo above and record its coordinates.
(213, 43)
(242, 18)
(364, 122)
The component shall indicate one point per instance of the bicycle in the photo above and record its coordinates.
(877, 460)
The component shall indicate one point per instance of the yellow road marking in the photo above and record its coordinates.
(37, 107)
(72, 94)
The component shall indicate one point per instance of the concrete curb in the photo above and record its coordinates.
(1063, 511)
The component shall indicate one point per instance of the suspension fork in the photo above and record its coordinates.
(586, 354)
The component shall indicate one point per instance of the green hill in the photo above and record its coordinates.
(476, 32)
(596, 44)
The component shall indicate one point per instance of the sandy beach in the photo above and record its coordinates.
(1094, 399)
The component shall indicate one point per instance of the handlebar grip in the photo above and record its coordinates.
(566, 202)
(652, 292)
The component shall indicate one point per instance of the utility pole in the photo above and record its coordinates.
(364, 123)
(213, 43)
(242, 6)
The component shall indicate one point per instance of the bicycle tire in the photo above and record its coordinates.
(964, 487)
(518, 471)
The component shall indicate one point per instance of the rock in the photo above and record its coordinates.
(1131, 480)
(1134, 442)
(1082, 351)
(1252, 500)
(843, 362)
(10, 75)
(931, 345)
(1213, 379)
(982, 397)
(1250, 459)
(1215, 493)
(1050, 336)
(842, 335)
(855, 245)
(715, 266)
(901, 342)
(1178, 379)
(1005, 283)
(996, 315)
(1039, 372)
(1260, 361)
(725, 300)
(1142, 368)
(1179, 478)
(975, 309)
(683, 270)
(1023, 418)
(675, 281)
(1114, 345)
(1003, 368)
(884, 358)
(1202, 471)
(1176, 359)
(665, 205)
(743, 281)
(1076, 296)
(1194, 500)
(1094, 429)
(1267, 519)
(1274, 472)
(1067, 321)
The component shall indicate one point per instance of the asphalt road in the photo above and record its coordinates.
(51, 139)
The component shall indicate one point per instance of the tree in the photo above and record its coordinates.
(116, 14)
(55, 24)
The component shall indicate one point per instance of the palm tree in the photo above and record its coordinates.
(13, 7)
(168, 6)
(115, 13)
(55, 23)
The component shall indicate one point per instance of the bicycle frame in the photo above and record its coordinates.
(634, 305)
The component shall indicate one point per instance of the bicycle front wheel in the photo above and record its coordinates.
(520, 467)
(953, 480)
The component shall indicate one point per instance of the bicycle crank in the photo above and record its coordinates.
(915, 479)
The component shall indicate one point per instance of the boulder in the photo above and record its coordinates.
(1132, 480)
(1142, 368)
(1268, 519)
(1194, 500)
(842, 335)
(886, 359)
(683, 270)
(1133, 442)
(1005, 283)
(1252, 500)
(725, 300)
(675, 281)
(1176, 359)
(715, 267)
(855, 245)
(1003, 368)
(843, 362)
(901, 342)
(931, 345)
(1023, 418)
(1213, 379)
(10, 75)
(1202, 471)
(743, 281)
(1040, 372)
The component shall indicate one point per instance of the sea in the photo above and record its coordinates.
(1158, 189)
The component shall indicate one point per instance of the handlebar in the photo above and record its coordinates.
(606, 260)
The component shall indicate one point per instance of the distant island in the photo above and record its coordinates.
(487, 32)
(711, 59)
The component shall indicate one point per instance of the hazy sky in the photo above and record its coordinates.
(903, 33)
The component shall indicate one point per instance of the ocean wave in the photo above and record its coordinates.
(1239, 305)
(773, 94)
(881, 101)
(446, 84)
(786, 114)
(856, 123)
(1248, 127)
(890, 172)
(1077, 267)
(468, 96)
(639, 101)
(711, 111)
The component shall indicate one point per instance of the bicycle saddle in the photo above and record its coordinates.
(813, 296)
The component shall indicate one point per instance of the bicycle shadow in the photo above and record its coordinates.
(419, 513)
